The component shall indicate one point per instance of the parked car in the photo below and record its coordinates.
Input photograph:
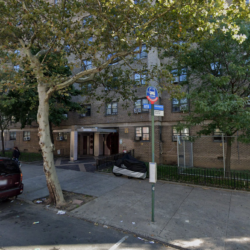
(10, 178)
(130, 167)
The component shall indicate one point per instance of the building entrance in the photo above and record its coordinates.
(113, 143)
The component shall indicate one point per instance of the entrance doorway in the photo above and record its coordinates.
(113, 143)
(84, 145)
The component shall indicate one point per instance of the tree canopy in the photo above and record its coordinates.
(102, 32)
(219, 86)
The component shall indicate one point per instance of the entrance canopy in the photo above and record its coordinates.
(96, 129)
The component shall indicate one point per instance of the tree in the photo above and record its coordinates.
(219, 87)
(114, 31)
(59, 104)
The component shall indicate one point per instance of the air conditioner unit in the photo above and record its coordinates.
(59, 138)
(82, 115)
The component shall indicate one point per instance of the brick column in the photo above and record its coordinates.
(96, 144)
(73, 145)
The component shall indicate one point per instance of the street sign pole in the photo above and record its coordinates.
(152, 96)
(153, 159)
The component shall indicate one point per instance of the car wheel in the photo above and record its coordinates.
(117, 175)
(129, 177)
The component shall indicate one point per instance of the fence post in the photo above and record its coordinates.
(223, 148)
(178, 140)
(184, 153)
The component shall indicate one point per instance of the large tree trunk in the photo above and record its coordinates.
(228, 155)
(47, 147)
(2, 138)
(51, 132)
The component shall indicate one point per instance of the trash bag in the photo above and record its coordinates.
(130, 166)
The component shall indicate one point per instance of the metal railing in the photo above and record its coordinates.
(201, 176)
(204, 176)
(108, 161)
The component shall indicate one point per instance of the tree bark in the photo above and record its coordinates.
(51, 132)
(228, 155)
(47, 148)
(2, 138)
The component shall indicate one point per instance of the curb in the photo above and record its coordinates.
(70, 214)
(130, 232)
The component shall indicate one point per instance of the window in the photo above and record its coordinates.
(216, 68)
(61, 136)
(115, 61)
(218, 135)
(142, 133)
(86, 64)
(143, 53)
(179, 105)
(87, 109)
(179, 76)
(12, 136)
(139, 105)
(111, 108)
(140, 78)
(65, 115)
(26, 136)
(184, 133)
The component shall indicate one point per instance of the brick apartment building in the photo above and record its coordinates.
(112, 130)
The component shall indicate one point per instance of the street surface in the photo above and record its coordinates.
(59, 232)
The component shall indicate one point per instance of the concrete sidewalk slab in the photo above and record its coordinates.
(188, 216)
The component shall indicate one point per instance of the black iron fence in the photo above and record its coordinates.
(106, 163)
(207, 177)
(200, 176)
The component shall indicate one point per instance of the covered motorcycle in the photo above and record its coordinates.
(130, 166)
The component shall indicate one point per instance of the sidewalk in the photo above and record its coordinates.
(190, 217)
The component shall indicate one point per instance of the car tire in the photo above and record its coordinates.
(117, 175)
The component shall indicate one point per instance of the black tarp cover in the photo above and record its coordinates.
(131, 164)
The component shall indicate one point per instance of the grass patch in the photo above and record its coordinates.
(26, 156)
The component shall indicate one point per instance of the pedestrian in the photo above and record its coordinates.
(16, 154)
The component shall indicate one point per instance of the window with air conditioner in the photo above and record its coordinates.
(142, 133)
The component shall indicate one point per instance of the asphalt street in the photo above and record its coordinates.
(60, 232)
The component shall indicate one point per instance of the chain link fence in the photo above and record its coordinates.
(212, 151)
